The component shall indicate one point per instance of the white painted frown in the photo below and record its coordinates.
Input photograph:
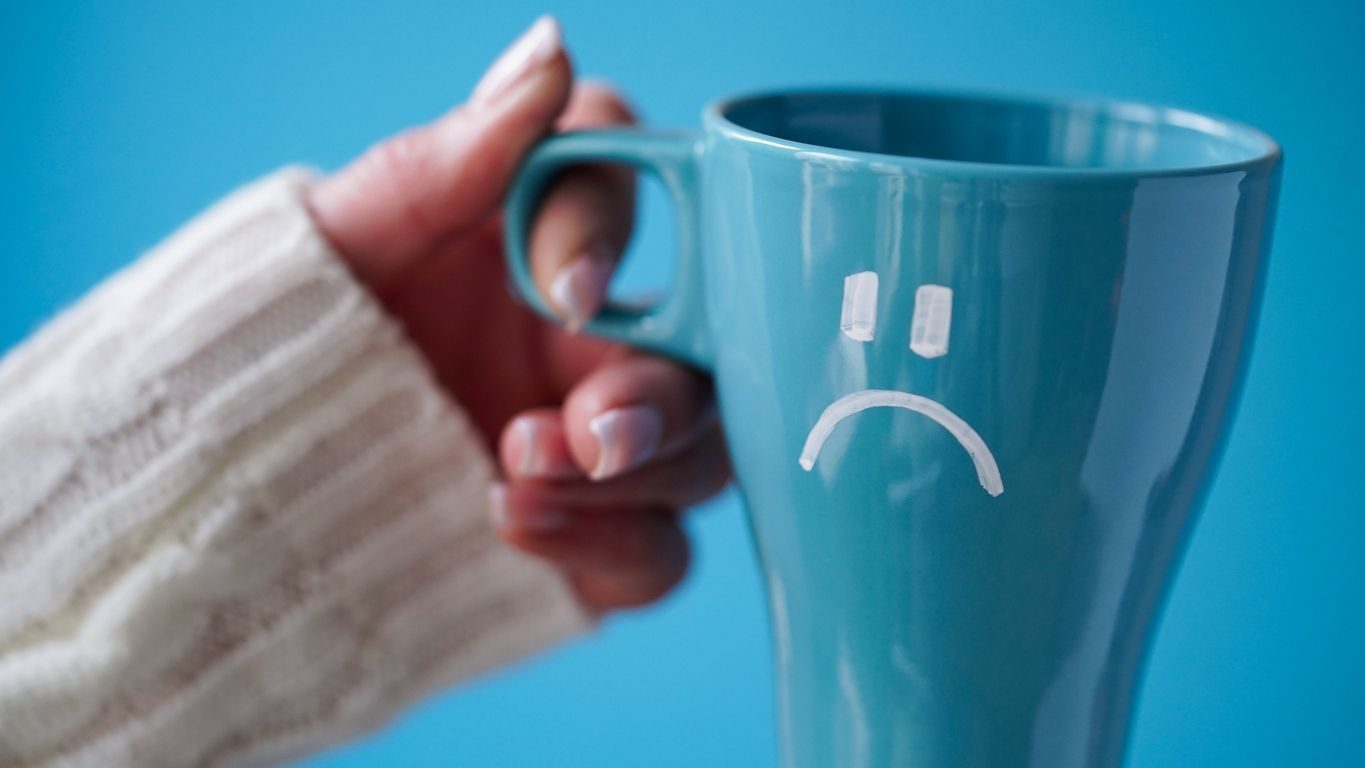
(987, 472)
(858, 318)
(932, 321)
(930, 328)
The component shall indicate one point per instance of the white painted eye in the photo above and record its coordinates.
(858, 319)
(932, 321)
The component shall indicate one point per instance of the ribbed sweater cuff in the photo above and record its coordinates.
(238, 519)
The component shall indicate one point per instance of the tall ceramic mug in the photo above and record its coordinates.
(975, 359)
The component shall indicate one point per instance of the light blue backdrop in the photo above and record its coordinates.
(117, 121)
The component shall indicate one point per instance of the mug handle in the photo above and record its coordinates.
(676, 326)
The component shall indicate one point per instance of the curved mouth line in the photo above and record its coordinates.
(987, 472)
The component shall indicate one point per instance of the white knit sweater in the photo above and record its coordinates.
(238, 520)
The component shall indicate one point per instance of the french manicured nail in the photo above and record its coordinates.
(526, 517)
(580, 287)
(537, 45)
(529, 463)
(626, 438)
(536, 459)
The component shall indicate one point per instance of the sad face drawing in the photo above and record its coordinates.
(930, 328)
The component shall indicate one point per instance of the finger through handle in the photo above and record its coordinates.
(676, 326)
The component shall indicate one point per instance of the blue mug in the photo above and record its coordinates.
(975, 358)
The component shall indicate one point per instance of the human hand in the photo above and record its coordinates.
(600, 446)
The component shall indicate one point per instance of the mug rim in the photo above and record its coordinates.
(1265, 150)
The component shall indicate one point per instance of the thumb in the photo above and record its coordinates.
(390, 206)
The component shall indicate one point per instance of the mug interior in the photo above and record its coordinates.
(1038, 133)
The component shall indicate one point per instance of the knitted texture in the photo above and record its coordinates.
(238, 520)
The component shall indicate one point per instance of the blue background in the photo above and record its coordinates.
(119, 122)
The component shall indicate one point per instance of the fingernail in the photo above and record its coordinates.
(580, 287)
(626, 438)
(529, 463)
(537, 45)
(535, 459)
(526, 517)
(497, 506)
